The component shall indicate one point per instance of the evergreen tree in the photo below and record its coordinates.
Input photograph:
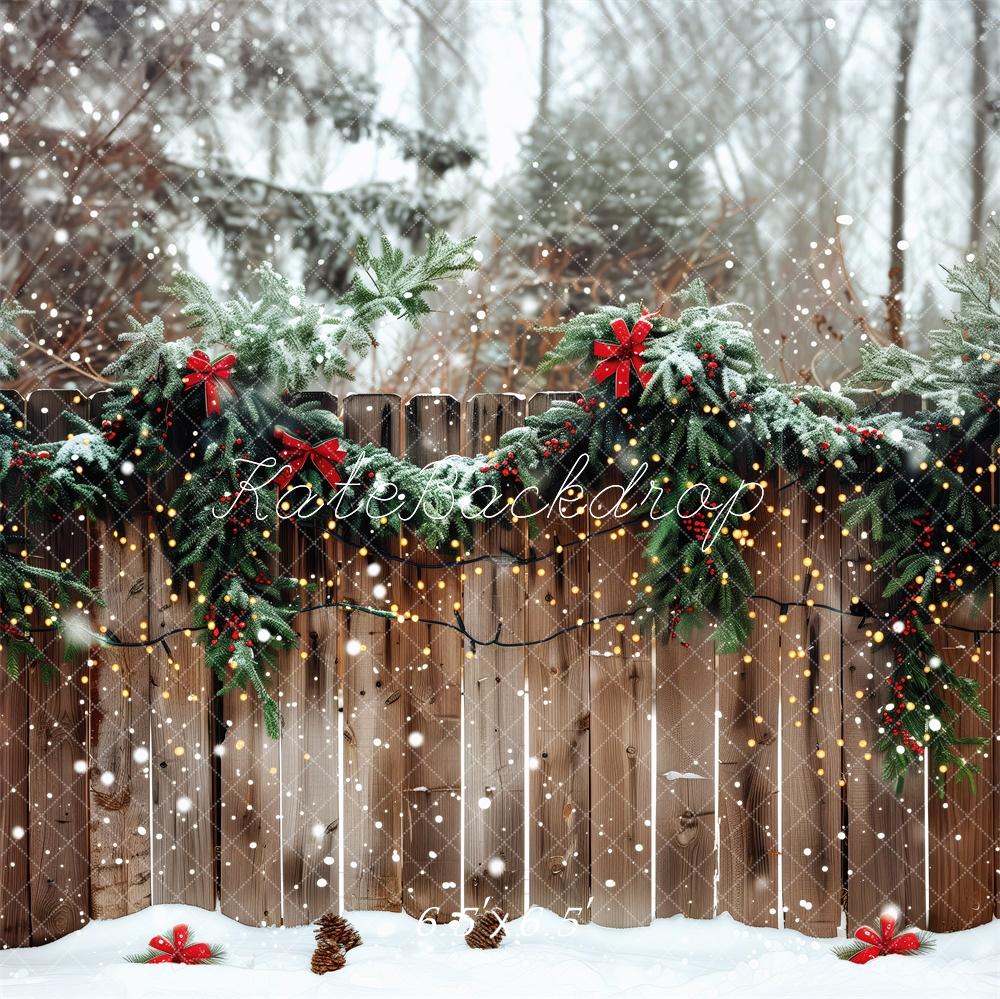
(959, 375)
(115, 156)
(595, 214)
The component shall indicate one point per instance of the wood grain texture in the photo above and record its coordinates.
(59, 763)
(685, 775)
(373, 705)
(812, 722)
(431, 661)
(621, 705)
(493, 594)
(309, 698)
(119, 724)
(184, 794)
(963, 852)
(250, 818)
(15, 901)
(748, 739)
(119, 709)
(885, 832)
(558, 672)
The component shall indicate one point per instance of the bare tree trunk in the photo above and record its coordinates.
(977, 159)
(909, 18)
(544, 67)
(808, 185)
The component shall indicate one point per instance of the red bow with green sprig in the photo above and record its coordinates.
(177, 950)
(203, 370)
(295, 453)
(870, 944)
(621, 357)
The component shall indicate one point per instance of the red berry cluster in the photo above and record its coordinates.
(988, 404)
(23, 454)
(7, 627)
(711, 361)
(239, 517)
(230, 627)
(909, 623)
(696, 525)
(674, 619)
(947, 579)
(863, 433)
(893, 719)
(743, 404)
(110, 429)
(587, 405)
(940, 427)
(687, 381)
(505, 466)
(556, 446)
(925, 528)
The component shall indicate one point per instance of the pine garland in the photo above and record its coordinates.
(677, 402)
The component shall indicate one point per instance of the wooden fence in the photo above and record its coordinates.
(604, 774)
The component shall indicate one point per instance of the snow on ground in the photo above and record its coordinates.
(543, 956)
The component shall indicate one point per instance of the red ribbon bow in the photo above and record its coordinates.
(175, 952)
(623, 356)
(295, 453)
(212, 373)
(884, 944)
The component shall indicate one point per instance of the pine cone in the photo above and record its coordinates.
(484, 934)
(334, 929)
(327, 957)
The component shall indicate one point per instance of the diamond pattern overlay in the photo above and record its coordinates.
(608, 775)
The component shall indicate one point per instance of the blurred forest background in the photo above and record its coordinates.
(817, 161)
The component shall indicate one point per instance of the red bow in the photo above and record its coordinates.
(294, 453)
(174, 952)
(623, 356)
(884, 944)
(212, 373)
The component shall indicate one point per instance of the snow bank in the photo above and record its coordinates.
(543, 956)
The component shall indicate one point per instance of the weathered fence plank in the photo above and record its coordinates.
(57, 711)
(885, 833)
(182, 708)
(748, 737)
(621, 697)
(431, 660)
(15, 901)
(812, 729)
(494, 593)
(119, 711)
(558, 674)
(119, 725)
(309, 700)
(963, 857)
(249, 823)
(963, 852)
(686, 693)
(373, 706)
(250, 813)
